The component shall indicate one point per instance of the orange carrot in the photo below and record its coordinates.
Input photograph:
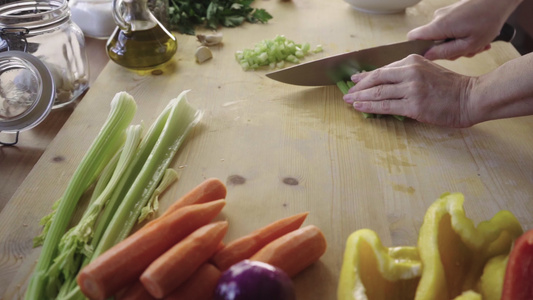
(177, 264)
(122, 264)
(200, 286)
(246, 246)
(294, 251)
(135, 292)
(210, 189)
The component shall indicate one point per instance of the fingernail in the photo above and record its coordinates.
(357, 105)
(355, 77)
(347, 98)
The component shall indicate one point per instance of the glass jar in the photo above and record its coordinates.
(140, 41)
(94, 17)
(44, 29)
(26, 92)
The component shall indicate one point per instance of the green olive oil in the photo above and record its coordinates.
(141, 49)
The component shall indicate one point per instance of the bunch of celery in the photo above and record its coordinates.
(130, 171)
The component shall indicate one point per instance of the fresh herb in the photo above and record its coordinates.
(185, 15)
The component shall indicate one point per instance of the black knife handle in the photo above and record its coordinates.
(507, 33)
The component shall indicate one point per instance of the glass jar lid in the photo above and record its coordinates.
(26, 91)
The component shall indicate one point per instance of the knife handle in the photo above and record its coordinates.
(507, 33)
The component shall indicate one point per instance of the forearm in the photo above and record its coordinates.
(503, 93)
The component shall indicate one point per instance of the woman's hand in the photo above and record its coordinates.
(416, 88)
(472, 24)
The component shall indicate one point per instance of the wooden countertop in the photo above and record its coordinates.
(17, 161)
(294, 148)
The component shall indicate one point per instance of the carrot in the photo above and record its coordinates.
(294, 251)
(176, 265)
(210, 189)
(124, 263)
(200, 286)
(246, 246)
(135, 292)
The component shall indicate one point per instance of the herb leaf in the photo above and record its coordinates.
(185, 15)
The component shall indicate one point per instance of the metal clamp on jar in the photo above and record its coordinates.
(43, 63)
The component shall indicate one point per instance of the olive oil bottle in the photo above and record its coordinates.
(139, 41)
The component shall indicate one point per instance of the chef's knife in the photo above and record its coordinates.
(330, 70)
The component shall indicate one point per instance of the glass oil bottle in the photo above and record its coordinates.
(140, 41)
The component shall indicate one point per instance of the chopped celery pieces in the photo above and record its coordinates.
(274, 53)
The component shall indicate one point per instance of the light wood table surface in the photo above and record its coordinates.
(294, 148)
(17, 161)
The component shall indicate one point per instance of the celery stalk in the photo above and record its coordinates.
(70, 290)
(180, 121)
(46, 221)
(141, 181)
(105, 176)
(105, 145)
(135, 167)
(73, 245)
(151, 207)
(343, 86)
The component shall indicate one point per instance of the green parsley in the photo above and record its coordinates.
(185, 15)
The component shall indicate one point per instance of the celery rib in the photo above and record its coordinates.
(151, 207)
(123, 109)
(74, 244)
(181, 119)
(71, 290)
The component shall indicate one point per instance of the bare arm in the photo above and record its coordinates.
(506, 92)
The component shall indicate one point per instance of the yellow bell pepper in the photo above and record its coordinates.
(371, 271)
(468, 295)
(491, 282)
(454, 252)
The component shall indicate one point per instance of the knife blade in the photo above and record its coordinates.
(330, 70)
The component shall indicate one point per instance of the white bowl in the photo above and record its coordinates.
(382, 6)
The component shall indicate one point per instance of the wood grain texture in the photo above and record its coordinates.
(284, 149)
(17, 161)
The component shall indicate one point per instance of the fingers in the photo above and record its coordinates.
(384, 107)
(426, 32)
(384, 75)
(379, 91)
(376, 93)
(452, 50)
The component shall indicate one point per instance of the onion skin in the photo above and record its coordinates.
(254, 280)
